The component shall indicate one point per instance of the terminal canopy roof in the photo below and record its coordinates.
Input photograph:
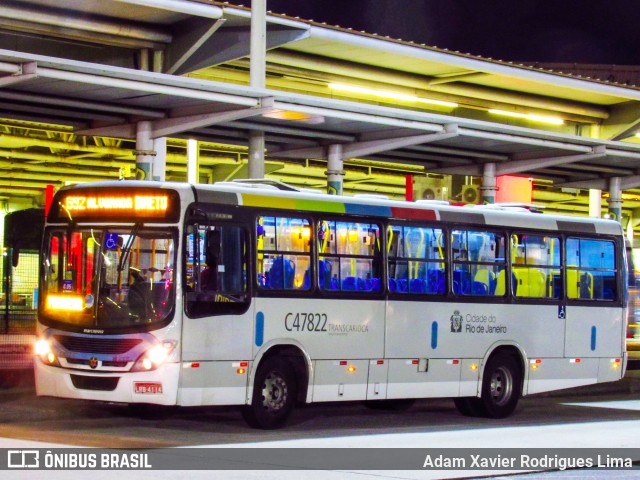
(72, 69)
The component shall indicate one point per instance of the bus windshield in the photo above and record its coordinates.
(108, 277)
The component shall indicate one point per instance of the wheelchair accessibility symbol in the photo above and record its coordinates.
(111, 241)
(562, 312)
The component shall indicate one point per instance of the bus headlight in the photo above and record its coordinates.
(155, 356)
(43, 350)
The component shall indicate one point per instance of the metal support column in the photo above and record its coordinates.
(595, 203)
(192, 161)
(489, 187)
(257, 79)
(256, 154)
(335, 171)
(159, 164)
(144, 150)
(615, 199)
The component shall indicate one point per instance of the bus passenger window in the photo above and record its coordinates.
(535, 266)
(416, 260)
(349, 256)
(283, 253)
(479, 263)
(591, 269)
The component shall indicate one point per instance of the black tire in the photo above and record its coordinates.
(469, 406)
(501, 386)
(399, 405)
(274, 395)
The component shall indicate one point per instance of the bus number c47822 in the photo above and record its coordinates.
(305, 322)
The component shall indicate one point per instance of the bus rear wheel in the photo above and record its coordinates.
(274, 395)
(501, 386)
(501, 389)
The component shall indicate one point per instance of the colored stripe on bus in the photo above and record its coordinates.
(259, 329)
(413, 213)
(271, 202)
(311, 205)
(593, 338)
(372, 210)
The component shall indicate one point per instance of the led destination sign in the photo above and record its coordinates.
(148, 204)
(112, 203)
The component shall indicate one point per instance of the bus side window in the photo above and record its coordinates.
(283, 253)
(416, 260)
(536, 265)
(349, 256)
(479, 263)
(591, 272)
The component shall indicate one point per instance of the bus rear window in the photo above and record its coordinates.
(591, 269)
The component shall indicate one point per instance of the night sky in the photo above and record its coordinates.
(567, 31)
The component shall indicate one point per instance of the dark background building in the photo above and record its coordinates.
(567, 31)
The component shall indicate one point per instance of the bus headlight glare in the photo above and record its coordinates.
(155, 356)
(43, 350)
(42, 347)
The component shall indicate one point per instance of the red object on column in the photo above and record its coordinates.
(409, 188)
(513, 189)
(48, 198)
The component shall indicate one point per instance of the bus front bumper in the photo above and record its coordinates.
(159, 386)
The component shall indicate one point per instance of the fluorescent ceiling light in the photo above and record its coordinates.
(530, 116)
(294, 116)
(389, 94)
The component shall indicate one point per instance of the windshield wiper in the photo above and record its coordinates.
(126, 249)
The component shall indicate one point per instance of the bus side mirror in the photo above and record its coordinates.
(15, 254)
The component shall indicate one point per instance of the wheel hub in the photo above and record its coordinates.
(274, 392)
(501, 386)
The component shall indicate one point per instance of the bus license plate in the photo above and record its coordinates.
(148, 387)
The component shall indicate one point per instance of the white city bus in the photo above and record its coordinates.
(264, 296)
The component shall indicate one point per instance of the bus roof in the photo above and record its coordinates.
(281, 196)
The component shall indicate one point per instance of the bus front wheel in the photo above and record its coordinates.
(501, 386)
(274, 395)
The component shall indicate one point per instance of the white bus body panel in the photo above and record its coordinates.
(336, 380)
(213, 383)
(223, 337)
(468, 330)
(594, 332)
(212, 348)
(329, 329)
(559, 373)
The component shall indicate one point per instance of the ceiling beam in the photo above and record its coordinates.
(626, 183)
(180, 6)
(293, 131)
(75, 105)
(520, 166)
(196, 32)
(27, 72)
(66, 18)
(232, 43)
(462, 77)
(623, 121)
(360, 149)
(175, 125)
